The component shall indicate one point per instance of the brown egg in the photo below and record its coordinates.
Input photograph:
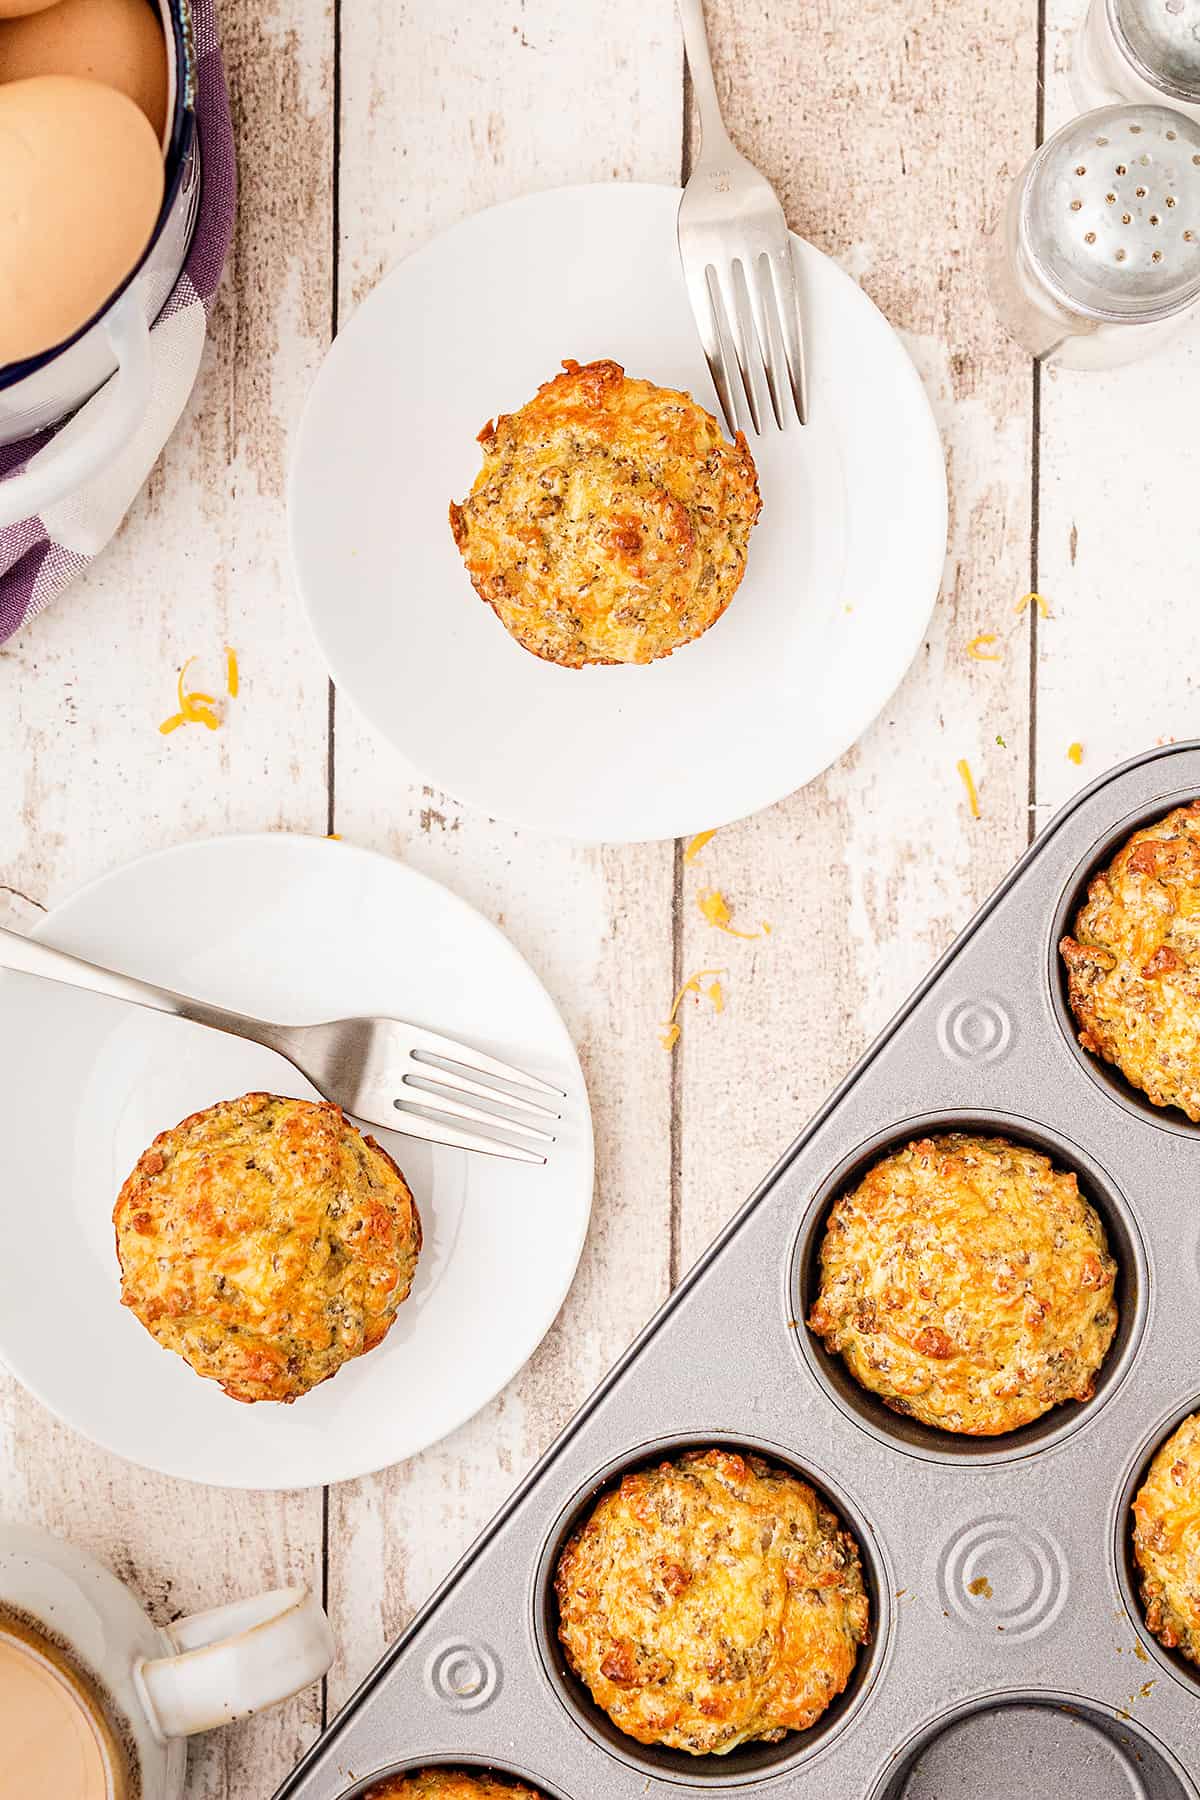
(116, 41)
(81, 185)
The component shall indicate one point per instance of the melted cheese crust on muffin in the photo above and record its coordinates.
(449, 1784)
(1133, 964)
(267, 1242)
(712, 1601)
(968, 1283)
(610, 520)
(1166, 1541)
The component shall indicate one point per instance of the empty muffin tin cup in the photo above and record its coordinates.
(1033, 1742)
(1106, 1074)
(749, 1762)
(911, 1435)
(1129, 1578)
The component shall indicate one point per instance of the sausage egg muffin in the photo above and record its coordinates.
(968, 1283)
(267, 1242)
(712, 1601)
(449, 1784)
(1133, 962)
(1166, 1541)
(610, 520)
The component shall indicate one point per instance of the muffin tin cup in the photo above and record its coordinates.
(1128, 1574)
(1002, 1589)
(908, 1434)
(749, 1762)
(412, 1765)
(1109, 1077)
(989, 1745)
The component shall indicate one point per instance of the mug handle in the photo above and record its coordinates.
(89, 441)
(235, 1660)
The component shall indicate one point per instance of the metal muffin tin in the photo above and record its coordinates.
(1009, 1653)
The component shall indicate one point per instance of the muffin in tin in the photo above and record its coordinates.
(967, 1282)
(1166, 1540)
(1133, 961)
(267, 1242)
(611, 519)
(712, 1601)
(449, 1784)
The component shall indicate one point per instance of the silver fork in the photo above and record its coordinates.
(376, 1069)
(735, 246)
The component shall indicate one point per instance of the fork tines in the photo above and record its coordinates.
(439, 1070)
(747, 313)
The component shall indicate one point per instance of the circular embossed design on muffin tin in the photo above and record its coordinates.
(1003, 1575)
(464, 1676)
(1106, 1075)
(446, 1759)
(750, 1762)
(910, 1435)
(989, 1745)
(975, 1031)
(1127, 1572)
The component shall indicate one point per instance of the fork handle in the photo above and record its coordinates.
(27, 956)
(713, 136)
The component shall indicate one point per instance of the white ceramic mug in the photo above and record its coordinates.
(155, 1685)
(46, 389)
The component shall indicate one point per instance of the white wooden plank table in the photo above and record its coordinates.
(891, 132)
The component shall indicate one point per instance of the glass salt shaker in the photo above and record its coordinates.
(1141, 50)
(1097, 260)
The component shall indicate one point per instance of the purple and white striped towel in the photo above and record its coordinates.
(39, 556)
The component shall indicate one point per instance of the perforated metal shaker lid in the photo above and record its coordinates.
(1162, 39)
(1110, 215)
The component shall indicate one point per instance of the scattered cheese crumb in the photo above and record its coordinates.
(968, 781)
(975, 647)
(671, 1029)
(1075, 753)
(697, 844)
(715, 909)
(231, 672)
(1036, 600)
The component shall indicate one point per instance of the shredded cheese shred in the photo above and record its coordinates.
(1075, 753)
(697, 844)
(195, 706)
(1033, 600)
(968, 781)
(977, 647)
(715, 909)
(671, 1029)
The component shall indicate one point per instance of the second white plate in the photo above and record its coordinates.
(291, 929)
(844, 566)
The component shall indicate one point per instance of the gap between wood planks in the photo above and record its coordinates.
(1035, 476)
(335, 302)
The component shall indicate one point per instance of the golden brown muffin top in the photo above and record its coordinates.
(1133, 963)
(1166, 1540)
(968, 1283)
(268, 1242)
(711, 1601)
(449, 1784)
(610, 520)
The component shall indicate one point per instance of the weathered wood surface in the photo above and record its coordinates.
(891, 133)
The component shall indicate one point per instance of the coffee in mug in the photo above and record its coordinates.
(59, 1733)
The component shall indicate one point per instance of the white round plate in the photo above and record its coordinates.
(844, 565)
(293, 929)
